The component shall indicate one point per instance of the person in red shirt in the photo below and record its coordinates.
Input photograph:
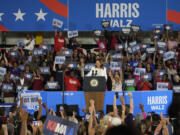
(146, 85)
(37, 81)
(59, 41)
(71, 83)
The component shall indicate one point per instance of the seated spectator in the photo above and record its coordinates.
(37, 81)
(71, 82)
(51, 80)
(146, 85)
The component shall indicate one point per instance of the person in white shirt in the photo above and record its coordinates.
(29, 43)
(98, 70)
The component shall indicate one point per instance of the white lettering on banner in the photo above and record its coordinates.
(61, 129)
(117, 10)
(156, 100)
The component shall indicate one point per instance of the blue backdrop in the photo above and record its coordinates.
(86, 15)
(156, 101)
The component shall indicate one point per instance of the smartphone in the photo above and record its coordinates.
(35, 123)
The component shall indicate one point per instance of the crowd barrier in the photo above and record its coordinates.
(153, 101)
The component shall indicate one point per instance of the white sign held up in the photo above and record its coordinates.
(57, 23)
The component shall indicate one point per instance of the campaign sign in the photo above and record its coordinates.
(13, 53)
(21, 67)
(60, 59)
(88, 66)
(126, 30)
(147, 76)
(30, 99)
(129, 82)
(14, 77)
(72, 65)
(38, 52)
(151, 50)
(135, 28)
(72, 34)
(57, 126)
(57, 23)
(129, 50)
(161, 44)
(161, 51)
(117, 56)
(139, 71)
(168, 27)
(176, 88)
(119, 46)
(7, 87)
(45, 47)
(52, 85)
(157, 31)
(44, 70)
(169, 55)
(133, 43)
(115, 65)
(135, 48)
(67, 52)
(97, 32)
(2, 71)
(28, 75)
(21, 88)
(162, 86)
(20, 44)
(86, 117)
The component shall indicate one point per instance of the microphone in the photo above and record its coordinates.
(93, 73)
(96, 73)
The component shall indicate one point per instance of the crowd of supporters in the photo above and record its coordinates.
(24, 65)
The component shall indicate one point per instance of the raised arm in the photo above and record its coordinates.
(123, 108)
(131, 103)
(24, 117)
(40, 109)
(115, 110)
(141, 106)
(55, 30)
(91, 129)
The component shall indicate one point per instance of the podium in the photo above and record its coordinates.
(94, 88)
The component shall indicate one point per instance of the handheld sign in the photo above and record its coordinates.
(21, 88)
(57, 126)
(168, 27)
(119, 46)
(21, 67)
(57, 23)
(117, 56)
(176, 88)
(30, 99)
(67, 52)
(129, 50)
(7, 87)
(38, 52)
(28, 75)
(2, 71)
(60, 59)
(129, 82)
(13, 53)
(44, 70)
(20, 44)
(45, 47)
(126, 30)
(135, 28)
(88, 66)
(72, 34)
(162, 86)
(161, 44)
(146, 77)
(157, 31)
(97, 32)
(52, 85)
(115, 65)
(139, 71)
(135, 48)
(133, 43)
(150, 50)
(169, 55)
(72, 65)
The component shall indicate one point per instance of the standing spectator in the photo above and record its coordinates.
(59, 41)
(15, 70)
(73, 44)
(145, 85)
(101, 43)
(116, 81)
(8, 94)
(71, 82)
(29, 43)
(37, 81)
(22, 81)
(172, 44)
